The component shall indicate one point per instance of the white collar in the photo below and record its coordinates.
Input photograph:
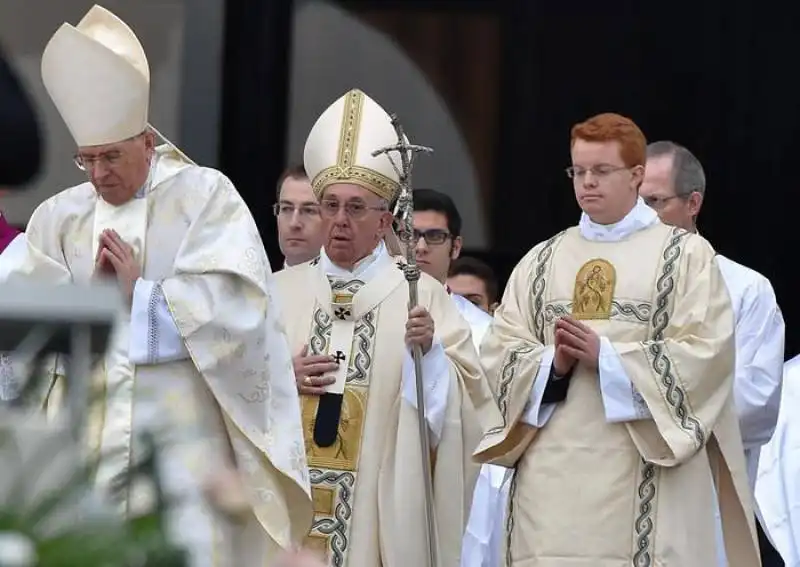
(640, 216)
(364, 268)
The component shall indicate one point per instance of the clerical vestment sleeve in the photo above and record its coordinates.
(43, 258)
(220, 302)
(685, 374)
(513, 354)
(468, 409)
(154, 337)
(760, 334)
(436, 383)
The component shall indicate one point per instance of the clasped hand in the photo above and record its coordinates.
(115, 257)
(309, 371)
(420, 329)
(574, 342)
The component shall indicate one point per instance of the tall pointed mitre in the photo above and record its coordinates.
(97, 75)
(340, 145)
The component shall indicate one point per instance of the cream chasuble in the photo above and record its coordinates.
(621, 472)
(201, 358)
(368, 497)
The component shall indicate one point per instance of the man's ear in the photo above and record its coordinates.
(455, 251)
(695, 202)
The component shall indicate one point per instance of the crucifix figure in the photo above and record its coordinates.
(339, 357)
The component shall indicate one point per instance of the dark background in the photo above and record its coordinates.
(716, 77)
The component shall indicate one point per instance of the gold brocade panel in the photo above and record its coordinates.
(333, 470)
(594, 290)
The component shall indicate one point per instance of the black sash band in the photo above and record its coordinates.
(326, 425)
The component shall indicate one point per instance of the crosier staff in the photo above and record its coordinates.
(404, 210)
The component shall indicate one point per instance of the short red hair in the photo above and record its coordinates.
(610, 127)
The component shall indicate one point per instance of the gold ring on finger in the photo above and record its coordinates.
(307, 381)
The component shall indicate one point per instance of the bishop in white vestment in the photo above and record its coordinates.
(351, 306)
(612, 356)
(199, 356)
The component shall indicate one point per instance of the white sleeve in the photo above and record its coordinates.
(536, 413)
(760, 334)
(436, 376)
(777, 491)
(621, 400)
(481, 546)
(154, 337)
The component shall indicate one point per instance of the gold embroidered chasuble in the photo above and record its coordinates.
(367, 490)
(586, 491)
(234, 397)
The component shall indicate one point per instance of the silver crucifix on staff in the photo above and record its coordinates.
(404, 211)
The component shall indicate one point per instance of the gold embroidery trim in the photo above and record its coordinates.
(345, 169)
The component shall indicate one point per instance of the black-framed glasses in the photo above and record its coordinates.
(286, 210)
(602, 170)
(432, 237)
(353, 209)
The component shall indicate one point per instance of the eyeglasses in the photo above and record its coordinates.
(287, 210)
(108, 160)
(602, 170)
(658, 203)
(353, 209)
(433, 237)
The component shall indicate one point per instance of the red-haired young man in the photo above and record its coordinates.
(612, 357)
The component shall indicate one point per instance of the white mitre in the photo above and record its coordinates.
(97, 75)
(340, 145)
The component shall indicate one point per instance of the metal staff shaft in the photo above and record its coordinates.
(405, 210)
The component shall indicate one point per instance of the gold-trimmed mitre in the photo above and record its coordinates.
(98, 77)
(340, 145)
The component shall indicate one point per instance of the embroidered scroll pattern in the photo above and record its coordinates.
(334, 470)
(153, 336)
(509, 368)
(662, 365)
(675, 396)
(630, 311)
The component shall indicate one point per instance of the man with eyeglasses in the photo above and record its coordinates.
(437, 237)
(198, 357)
(674, 186)
(612, 356)
(347, 316)
(299, 222)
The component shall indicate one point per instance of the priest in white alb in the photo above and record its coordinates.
(612, 357)
(199, 356)
(349, 322)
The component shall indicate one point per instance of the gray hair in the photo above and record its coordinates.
(687, 171)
